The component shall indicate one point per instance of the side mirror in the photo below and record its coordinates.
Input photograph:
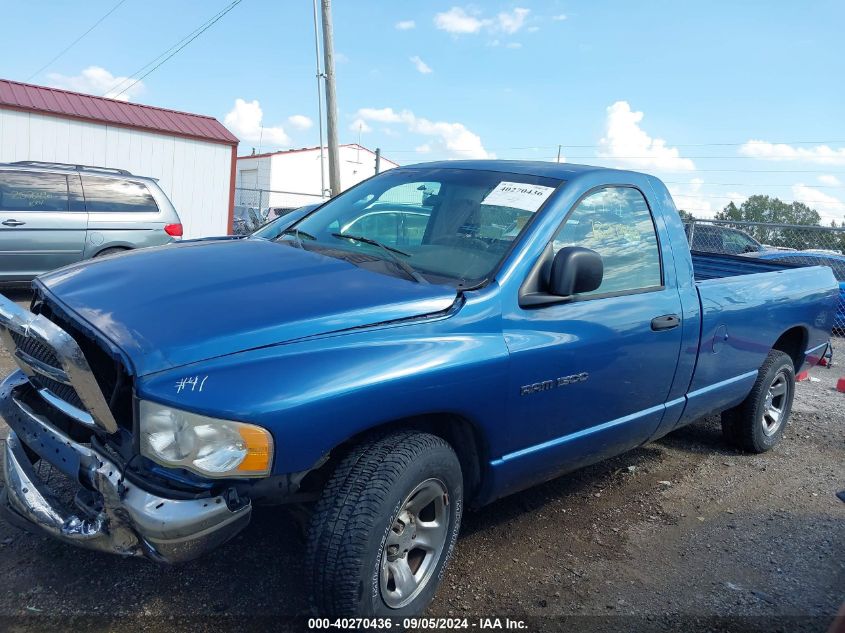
(575, 269)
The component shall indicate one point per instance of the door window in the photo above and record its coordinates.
(111, 194)
(616, 223)
(25, 191)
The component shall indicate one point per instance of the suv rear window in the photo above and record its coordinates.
(25, 191)
(112, 194)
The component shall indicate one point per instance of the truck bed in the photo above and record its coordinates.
(717, 265)
(743, 313)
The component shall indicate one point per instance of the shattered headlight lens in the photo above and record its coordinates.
(203, 445)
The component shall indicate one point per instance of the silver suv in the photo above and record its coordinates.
(54, 214)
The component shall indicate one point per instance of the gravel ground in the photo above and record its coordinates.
(683, 533)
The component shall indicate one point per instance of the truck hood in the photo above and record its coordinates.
(182, 303)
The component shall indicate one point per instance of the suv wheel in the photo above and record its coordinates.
(385, 527)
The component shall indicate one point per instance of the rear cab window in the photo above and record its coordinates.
(117, 195)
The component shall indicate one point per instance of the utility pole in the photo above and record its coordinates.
(558, 153)
(320, 77)
(378, 161)
(331, 98)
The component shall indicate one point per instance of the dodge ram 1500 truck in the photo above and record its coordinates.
(432, 339)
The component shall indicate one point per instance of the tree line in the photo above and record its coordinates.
(770, 210)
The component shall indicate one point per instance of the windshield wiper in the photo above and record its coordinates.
(389, 251)
(298, 235)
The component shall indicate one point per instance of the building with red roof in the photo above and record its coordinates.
(193, 156)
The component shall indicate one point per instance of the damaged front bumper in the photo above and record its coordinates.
(52, 402)
(127, 519)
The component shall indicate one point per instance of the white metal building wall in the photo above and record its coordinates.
(194, 174)
(298, 171)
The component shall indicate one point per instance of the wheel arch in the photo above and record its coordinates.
(793, 343)
(111, 247)
(463, 435)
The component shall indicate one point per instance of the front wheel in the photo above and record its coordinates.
(757, 424)
(385, 527)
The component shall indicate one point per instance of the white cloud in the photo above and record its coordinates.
(512, 22)
(300, 121)
(425, 148)
(382, 115)
(97, 81)
(689, 197)
(560, 17)
(420, 65)
(829, 207)
(454, 139)
(820, 154)
(628, 144)
(736, 197)
(360, 125)
(514, 45)
(340, 58)
(406, 25)
(830, 180)
(457, 21)
(533, 29)
(245, 121)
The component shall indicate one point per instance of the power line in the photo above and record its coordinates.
(747, 184)
(566, 146)
(598, 159)
(170, 52)
(76, 41)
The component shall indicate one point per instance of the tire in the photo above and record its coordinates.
(367, 527)
(111, 251)
(754, 425)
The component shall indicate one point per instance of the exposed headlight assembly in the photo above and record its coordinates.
(203, 445)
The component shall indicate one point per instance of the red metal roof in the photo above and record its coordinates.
(76, 105)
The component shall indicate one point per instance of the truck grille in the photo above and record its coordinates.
(60, 390)
(40, 352)
(57, 365)
(36, 350)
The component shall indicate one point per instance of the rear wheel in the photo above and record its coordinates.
(757, 424)
(385, 527)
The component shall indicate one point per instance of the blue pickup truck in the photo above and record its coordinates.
(431, 340)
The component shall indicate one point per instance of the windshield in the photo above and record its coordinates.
(274, 228)
(447, 225)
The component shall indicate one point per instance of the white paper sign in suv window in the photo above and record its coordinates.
(518, 195)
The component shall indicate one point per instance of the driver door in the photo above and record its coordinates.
(589, 377)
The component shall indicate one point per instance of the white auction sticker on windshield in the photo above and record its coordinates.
(518, 195)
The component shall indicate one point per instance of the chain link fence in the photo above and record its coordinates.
(787, 243)
(255, 207)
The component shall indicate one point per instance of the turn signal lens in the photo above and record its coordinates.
(259, 449)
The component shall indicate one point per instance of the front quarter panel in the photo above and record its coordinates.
(315, 394)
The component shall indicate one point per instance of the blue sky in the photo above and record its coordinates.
(720, 99)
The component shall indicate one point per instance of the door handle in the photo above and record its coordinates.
(665, 322)
(13, 223)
